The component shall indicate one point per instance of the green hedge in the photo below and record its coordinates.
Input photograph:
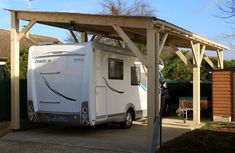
(185, 89)
(5, 100)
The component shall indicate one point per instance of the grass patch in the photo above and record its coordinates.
(212, 138)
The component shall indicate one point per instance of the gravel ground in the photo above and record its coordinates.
(30, 147)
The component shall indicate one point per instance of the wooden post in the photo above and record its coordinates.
(151, 97)
(158, 48)
(220, 59)
(84, 37)
(15, 103)
(196, 84)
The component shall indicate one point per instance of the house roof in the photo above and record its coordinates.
(24, 42)
(134, 26)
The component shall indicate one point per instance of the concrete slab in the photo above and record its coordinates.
(101, 137)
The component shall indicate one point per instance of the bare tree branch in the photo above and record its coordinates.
(227, 9)
(121, 7)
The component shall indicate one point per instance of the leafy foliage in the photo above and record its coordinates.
(23, 64)
(229, 64)
(175, 69)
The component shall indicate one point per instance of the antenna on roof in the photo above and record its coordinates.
(30, 3)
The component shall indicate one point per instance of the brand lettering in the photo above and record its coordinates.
(42, 61)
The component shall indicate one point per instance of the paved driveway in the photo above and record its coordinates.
(109, 138)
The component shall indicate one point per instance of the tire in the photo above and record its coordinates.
(31, 115)
(126, 124)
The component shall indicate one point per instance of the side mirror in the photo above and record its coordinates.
(163, 85)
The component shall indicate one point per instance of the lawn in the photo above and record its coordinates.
(212, 138)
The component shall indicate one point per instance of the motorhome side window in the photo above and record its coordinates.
(115, 69)
(135, 75)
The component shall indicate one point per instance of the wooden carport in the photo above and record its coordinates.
(153, 31)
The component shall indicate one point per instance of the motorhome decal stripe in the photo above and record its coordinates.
(143, 87)
(56, 92)
(115, 115)
(58, 55)
(50, 73)
(114, 90)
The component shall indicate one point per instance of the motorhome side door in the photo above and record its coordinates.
(101, 103)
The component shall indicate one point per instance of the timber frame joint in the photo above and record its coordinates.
(26, 29)
(220, 58)
(198, 52)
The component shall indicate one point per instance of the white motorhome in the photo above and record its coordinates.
(86, 84)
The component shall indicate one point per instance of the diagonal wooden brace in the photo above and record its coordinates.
(162, 43)
(182, 57)
(130, 44)
(212, 65)
(26, 29)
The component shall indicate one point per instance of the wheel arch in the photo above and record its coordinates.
(131, 107)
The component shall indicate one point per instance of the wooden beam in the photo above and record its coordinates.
(157, 50)
(86, 19)
(97, 38)
(151, 75)
(190, 36)
(185, 60)
(84, 37)
(162, 43)
(212, 65)
(196, 84)
(73, 35)
(26, 29)
(15, 97)
(202, 53)
(182, 57)
(130, 44)
(196, 52)
(220, 58)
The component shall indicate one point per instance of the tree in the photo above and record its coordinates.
(227, 12)
(70, 39)
(23, 64)
(175, 69)
(121, 7)
(229, 64)
(227, 9)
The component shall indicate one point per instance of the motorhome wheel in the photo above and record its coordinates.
(128, 120)
(30, 113)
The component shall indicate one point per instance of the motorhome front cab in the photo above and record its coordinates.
(85, 84)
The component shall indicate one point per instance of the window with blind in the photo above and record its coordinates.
(115, 67)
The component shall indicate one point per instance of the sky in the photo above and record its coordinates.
(197, 16)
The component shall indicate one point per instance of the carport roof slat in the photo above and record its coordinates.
(134, 25)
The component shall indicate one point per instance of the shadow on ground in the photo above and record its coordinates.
(104, 137)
